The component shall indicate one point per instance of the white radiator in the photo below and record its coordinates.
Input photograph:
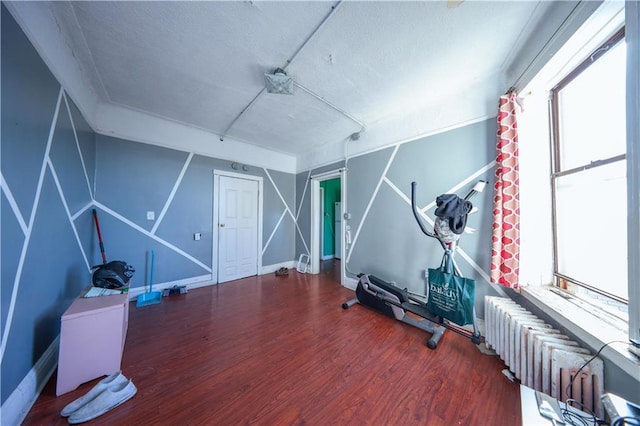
(540, 356)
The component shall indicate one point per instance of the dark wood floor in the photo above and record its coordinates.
(281, 350)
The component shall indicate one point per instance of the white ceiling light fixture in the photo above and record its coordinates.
(279, 82)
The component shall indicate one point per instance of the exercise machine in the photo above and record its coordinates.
(391, 300)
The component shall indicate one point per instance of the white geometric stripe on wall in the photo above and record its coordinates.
(75, 136)
(172, 194)
(288, 210)
(457, 187)
(430, 221)
(304, 191)
(47, 163)
(66, 209)
(12, 202)
(373, 196)
(275, 228)
(421, 211)
(27, 239)
(150, 235)
(82, 210)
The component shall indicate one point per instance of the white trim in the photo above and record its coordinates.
(350, 283)
(17, 406)
(373, 197)
(214, 237)
(214, 227)
(315, 236)
(428, 134)
(632, 34)
(13, 204)
(332, 174)
(344, 228)
(327, 257)
(172, 194)
(575, 19)
(140, 126)
(66, 209)
(321, 208)
(573, 318)
(190, 283)
(398, 142)
(275, 228)
(75, 137)
(270, 269)
(315, 180)
(27, 239)
(150, 235)
(237, 175)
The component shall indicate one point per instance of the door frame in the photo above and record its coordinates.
(214, 222)
(316, 217)
(321, 207)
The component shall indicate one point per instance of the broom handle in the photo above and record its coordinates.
(95, 219)
(153, 258)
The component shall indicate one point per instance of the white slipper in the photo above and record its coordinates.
(110, 398)
(94, 392)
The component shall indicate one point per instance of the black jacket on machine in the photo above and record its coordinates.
(455, 209)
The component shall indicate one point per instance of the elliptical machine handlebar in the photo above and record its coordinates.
(416, 214)
(477, 188)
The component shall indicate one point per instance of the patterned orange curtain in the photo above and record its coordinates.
(505, 246)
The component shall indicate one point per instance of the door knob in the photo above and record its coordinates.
(222, 225)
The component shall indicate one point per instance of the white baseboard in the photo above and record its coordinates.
(270, 269)
(350, 283)
(17, 406)
(205, 280)
(191, 283)
(328, 256)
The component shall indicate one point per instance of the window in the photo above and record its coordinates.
(589, 176)
(570, 156)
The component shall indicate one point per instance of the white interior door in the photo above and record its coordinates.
(237, 228)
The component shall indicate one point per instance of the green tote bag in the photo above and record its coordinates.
(451, 297)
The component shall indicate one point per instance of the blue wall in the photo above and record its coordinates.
(134, 178)
(55, 170)
(386, 239)
(44, 191)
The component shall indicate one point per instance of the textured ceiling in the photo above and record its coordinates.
(202, 63)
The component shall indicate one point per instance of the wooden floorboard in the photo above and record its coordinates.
(281, 350)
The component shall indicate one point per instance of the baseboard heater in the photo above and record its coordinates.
(540, 356)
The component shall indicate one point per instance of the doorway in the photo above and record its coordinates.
(237, 226)
(327, 226)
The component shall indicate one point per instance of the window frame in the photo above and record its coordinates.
(561, 280)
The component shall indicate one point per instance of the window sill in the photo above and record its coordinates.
(590, 324)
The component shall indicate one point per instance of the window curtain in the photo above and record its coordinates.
(505, 246)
